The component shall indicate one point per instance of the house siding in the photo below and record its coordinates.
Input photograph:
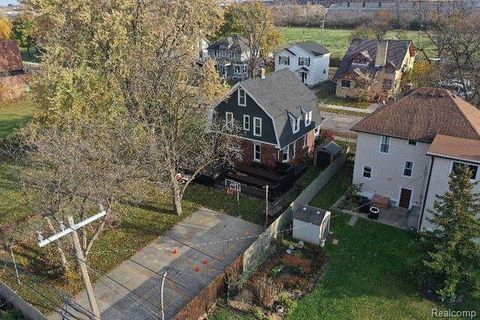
(317, 65)
(387, 169)
(253, 110)
(440, 177)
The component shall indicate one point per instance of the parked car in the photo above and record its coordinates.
(457, 87)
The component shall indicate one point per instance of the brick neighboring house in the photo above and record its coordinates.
(231, 55)
(372, 70)
(279, 117)
(13, 79)
(407, 149)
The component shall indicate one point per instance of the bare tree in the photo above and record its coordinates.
(72, 170)
(456, 38)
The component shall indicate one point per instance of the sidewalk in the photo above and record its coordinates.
(366, 111)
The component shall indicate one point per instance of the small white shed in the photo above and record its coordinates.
(311, 224)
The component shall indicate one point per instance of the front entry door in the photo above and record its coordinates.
(405, 197)
(304, 77)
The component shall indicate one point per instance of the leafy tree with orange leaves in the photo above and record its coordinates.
(5, 28)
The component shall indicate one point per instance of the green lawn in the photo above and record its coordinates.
(14, 115)
(338, 40)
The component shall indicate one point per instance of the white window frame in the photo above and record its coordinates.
(237, 69)
(257, 126)
(284, 60)
(316, 131)
(365, 171)
(246, 122)
(305, 141)
(385, 142)
(308, 118)
(232, 55)
(303, 61)
(295, 124)
(240, 97)
(294, 143)
(282, 154)
(405, 168)
(229, 120)
(259, 159)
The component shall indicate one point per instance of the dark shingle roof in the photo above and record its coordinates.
(281, 93)
(423, 114)
(233, 43)
(10, 58)
(397, 49)
(312, 47)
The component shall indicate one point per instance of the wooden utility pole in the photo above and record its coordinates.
(79, 253)
(266, 206)
(84, 270)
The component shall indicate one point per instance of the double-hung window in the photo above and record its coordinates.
(303, 61)
(229, 120)
(367, 172)
(407, 171)
(284, 154)
(308, 118)
(257, 152)
(242, 98)
(246, 122)
(385, 145)
(257, 127)
(283, 60)
(295, 124)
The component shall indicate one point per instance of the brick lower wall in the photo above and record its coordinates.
(270, 154)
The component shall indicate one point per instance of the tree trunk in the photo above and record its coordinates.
(59, 248)
(177, 196)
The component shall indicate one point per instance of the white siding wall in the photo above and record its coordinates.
(387, 169)
(439, 185)
(317, 65)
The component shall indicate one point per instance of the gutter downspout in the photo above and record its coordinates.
(426, 194)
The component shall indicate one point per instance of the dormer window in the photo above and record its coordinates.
(308, 118)
(295, 123)
(242, 98)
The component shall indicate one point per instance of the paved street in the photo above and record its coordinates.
(132, 290)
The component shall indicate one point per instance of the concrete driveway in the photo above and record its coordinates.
(339, 123)
(132, 290)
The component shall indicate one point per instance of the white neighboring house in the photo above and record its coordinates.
(309, 60)
(407, 149)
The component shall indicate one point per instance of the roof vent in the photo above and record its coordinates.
(304, 208)
(431, 93)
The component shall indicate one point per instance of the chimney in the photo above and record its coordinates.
(262, 73)
(381, 56)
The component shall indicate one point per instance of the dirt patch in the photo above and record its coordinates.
(281, 280)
